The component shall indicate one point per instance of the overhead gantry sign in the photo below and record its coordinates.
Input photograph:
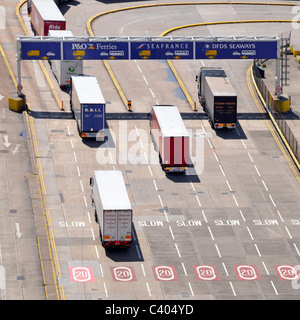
(143, 48)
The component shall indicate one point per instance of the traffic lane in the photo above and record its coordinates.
(21, 275)
(229, 244)
(82, 231)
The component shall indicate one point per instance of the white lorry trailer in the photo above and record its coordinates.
(112, 206)
(64, 69)
(88, 106)
(170, 138)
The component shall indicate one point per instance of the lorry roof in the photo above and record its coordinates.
(112, 190)
(84, 86)
(48, 10)
(60, 33)
(170, 121)
(220, 86)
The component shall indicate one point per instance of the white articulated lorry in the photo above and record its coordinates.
(64, 69)
(112, 207)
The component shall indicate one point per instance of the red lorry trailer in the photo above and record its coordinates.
(170, 138)
(45, 16)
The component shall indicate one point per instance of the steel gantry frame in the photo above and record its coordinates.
(191, 40)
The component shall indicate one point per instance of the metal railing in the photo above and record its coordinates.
(272, 107)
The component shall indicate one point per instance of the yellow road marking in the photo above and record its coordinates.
(41, 63)
(257, 102)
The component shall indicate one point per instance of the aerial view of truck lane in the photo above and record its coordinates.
(149, 153)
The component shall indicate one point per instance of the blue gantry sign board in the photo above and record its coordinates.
(40, 50)
(162, 50)
(95, 50)
(236, 50)
(148, 49)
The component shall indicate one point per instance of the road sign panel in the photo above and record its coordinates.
(162, 50)
(206, 273)
(165, 273)
(81, 274)
(123, 274)
(246, 272)
(286, 272)
(236, 50)
(95, 50)
(40, 50)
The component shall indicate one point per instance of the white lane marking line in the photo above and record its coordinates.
(84, 198)
(232, 288)
(272, 201)
(297, 249)
(225, 269)
(250, 157)
(72, 145)
(166, 216)
(210, 143)
(228, 185)
(235, 200)
(193, 186)
(257, 170)
(148, 288)
(211, 233)
(218, 250)
(242, 216)
(81, 185)
(199, 203)
(78, 171)
(172, 234)
(96, 249)
(145, 80)
(150, 170)
(177, 250)
(280, 216)
(93, 235)
(75, 156)
(143, 269)
(191, 289)
(204, 216)
(183, 267)
(216, 157)
(287, 230)
(153, 95)
(267, 271)
(160, 200)
(222, 170)
(264, 185)
(244, 144)
(155, 186)
(106, 293)
(274, 288)
(250, 233)
(256, 247)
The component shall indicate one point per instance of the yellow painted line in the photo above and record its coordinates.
(258, 104)
(183, 88)
(278, 130)
(42, 192)
(8, 66)
(40, 178)
(41, 184)
(180, 82)
(55, 94)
